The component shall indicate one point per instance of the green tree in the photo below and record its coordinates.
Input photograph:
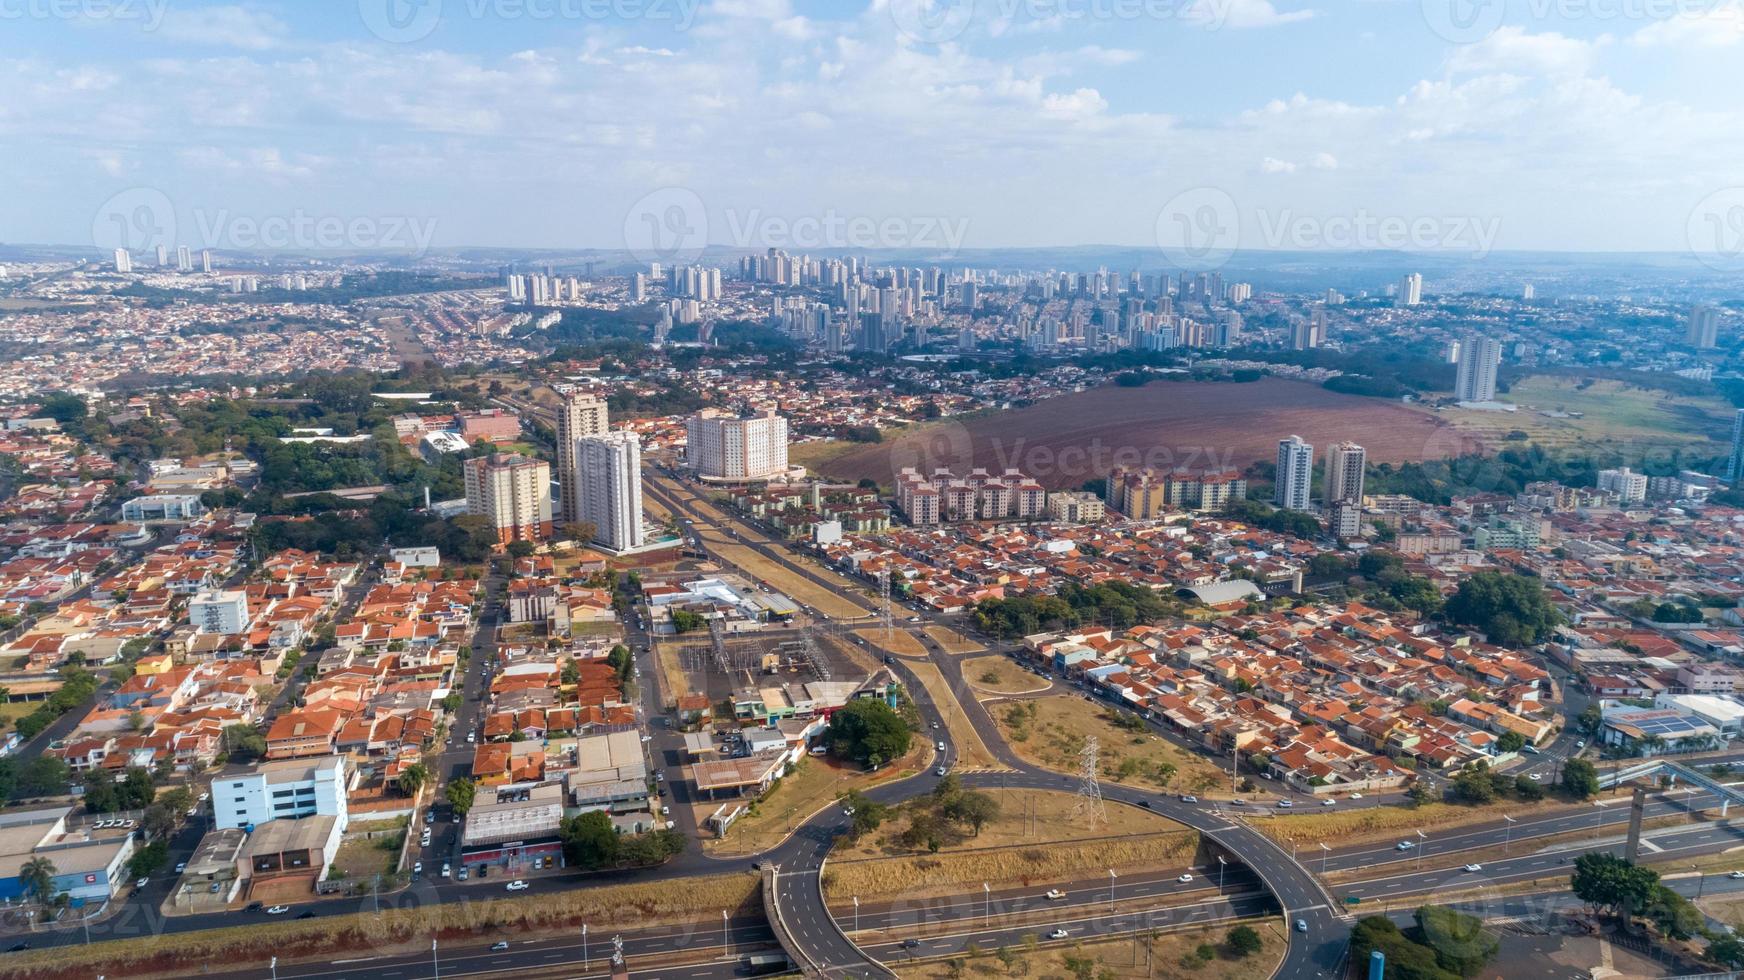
(460, 794)
(1580, 778)
(1510, 609)
(1511, 742)
(1419, 793)
(1610, 884)
(149, 859)
(590, 840)
(1527, 788)
(242, 743)
(1727, 950)
(1459, 941)
(1244, 941)
(973, 808)
(413, 777)
(37, 875)
(868, 728)
(1672, 914)
(1473, 784)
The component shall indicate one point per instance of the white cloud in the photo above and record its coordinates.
(1323, 161)
(1273, 165)
(1720, 26)
(1510, 49)
(1240, 14)
(229, 26)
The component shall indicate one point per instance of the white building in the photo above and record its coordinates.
(289, 789)
(1295, 475)
(1345, 463)
(1629, 486)
(611, 489)
(123, 261)
(222, 612)
(1479, 357)
(514, 492)
(1703, 328)
(1411, 289)
(722, 447)
(581, 414)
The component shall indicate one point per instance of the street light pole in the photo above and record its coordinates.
(856, 913)
(1221, 865)
(275, 968)
(1324, 850)
(986, 903)
(726, 937)
(1509, 839)
(435, 964)
(584, 946)
(1423, 845)
(1111, 877)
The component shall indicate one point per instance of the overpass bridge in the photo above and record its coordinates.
(1676, 771)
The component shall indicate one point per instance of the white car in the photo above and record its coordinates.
(940, 771)
(1474, 867)
(1327, 802)
(1404, 845)
(417, 867)
(1356, 796)
(1055, 895)
(516, 886)
(139, 883)
(1189, 799)
(1736, 874)
(1058, 934)
(1184, 879)
(1535, 777)
(278, 910)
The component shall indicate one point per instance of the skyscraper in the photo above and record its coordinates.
(721, 447)
(123, 261)
(1478, 360)
(611, 489)
(1703, 328)
(163, 256)
(206, 260)
(184, 259)
(1410, 289)
(1345, 462)
(581, 414)
(1295, 474)
(1735, 462)
(513, 492)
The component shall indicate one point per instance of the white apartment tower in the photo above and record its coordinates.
(1703, 328)
(1295, 474)
(1345, 462)
(221, 612)
(1410, 289)
(581, 414)
(611, 488)
(722, 447)
(123, 261)
(1479, 358)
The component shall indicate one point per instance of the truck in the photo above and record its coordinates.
(758, 963)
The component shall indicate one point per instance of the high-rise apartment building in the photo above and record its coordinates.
(1735, 461)
(513, 492)
(1703, 327)
(1345, 462)
(123, 261)
(581, 414)
(723, 447)
(1295, 476)
(1475, 381)
(611, 489)
(1410, 289)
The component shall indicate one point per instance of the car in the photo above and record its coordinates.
(935, 726)
(1474, 867)
(1529, 749)
(940, 745)
(914, 619)
(1058, 934)
(647, 738)
(1405, 845)
(660, 775)
(306, 914)
(1736, 875)
(1286, 804)
(1189, 799)
(847, 811)
(1185, 879)
(253, 907)
(499, 945)
(1145, 803)
(1238, 802)
(417, 867)
(1055, 895)
(1301, 925)
(216, 888)
(517, 885)
(756, 865)
(181, 867)
(940, 771)
(278, 910)
(1535, 777)
(910, 943)
(139, 883)
(462, 875)
(471, 738)
(17, 947)
(1328, 802)
(1581, 744)
(1356, 796)
(445, 872)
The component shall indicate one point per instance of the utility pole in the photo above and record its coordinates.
(856, 913)
(1509, 838)
(1221, 866)
(1111, 877)
(726, 937)
(435, 964)
(584, 945)
(986, 903)
(1324, 850)
(1422, 845)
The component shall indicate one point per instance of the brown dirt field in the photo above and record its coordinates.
(952, 641)
(1123, 959)
(902, 643)
(1050, 732)
(1067, 440)
(998, 675)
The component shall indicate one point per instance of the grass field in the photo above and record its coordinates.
(1026, 817)
(1614, 414)
(971, 751)
(1376, 823)
(902, 643)
(799, 794)
(1050, 732)
(832, 603)
(1163, 954)
(952, 641)
(395, 929)
(998, 675)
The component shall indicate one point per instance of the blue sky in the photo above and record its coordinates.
(1556, 124)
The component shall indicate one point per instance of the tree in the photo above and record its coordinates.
(590, 840)
(1473, 784)
(45, 775)
(1727, 950)
(242, 743)
(413, 777)
(1609, 883)
(1527, 788)
(1458, 940)
(100, 795)
(521, 549)
(1672, 914)
(37, 875)
(1580, 778)
(580, 532)
(868, 728)
(1511, 742)
(1512, 610)
(460, 794)
(1406, 960)
(1419, 793)
(973, 808)
(1244, 941)
(149, 859)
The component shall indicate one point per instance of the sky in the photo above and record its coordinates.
(1455, 125)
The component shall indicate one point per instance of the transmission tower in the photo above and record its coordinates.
(884, 601)
(1089, 807)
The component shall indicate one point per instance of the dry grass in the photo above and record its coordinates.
(832, 603)
(1022, 864)
(185, 954)
(998, 675)
(814, 783)
(1378, 823)
(901, 642)
(1123, 959)
(971, 751)
(1026, 817)
(1613, 412)
(672, 676)
(1050, 732)
(361, 858)
(952, 641)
